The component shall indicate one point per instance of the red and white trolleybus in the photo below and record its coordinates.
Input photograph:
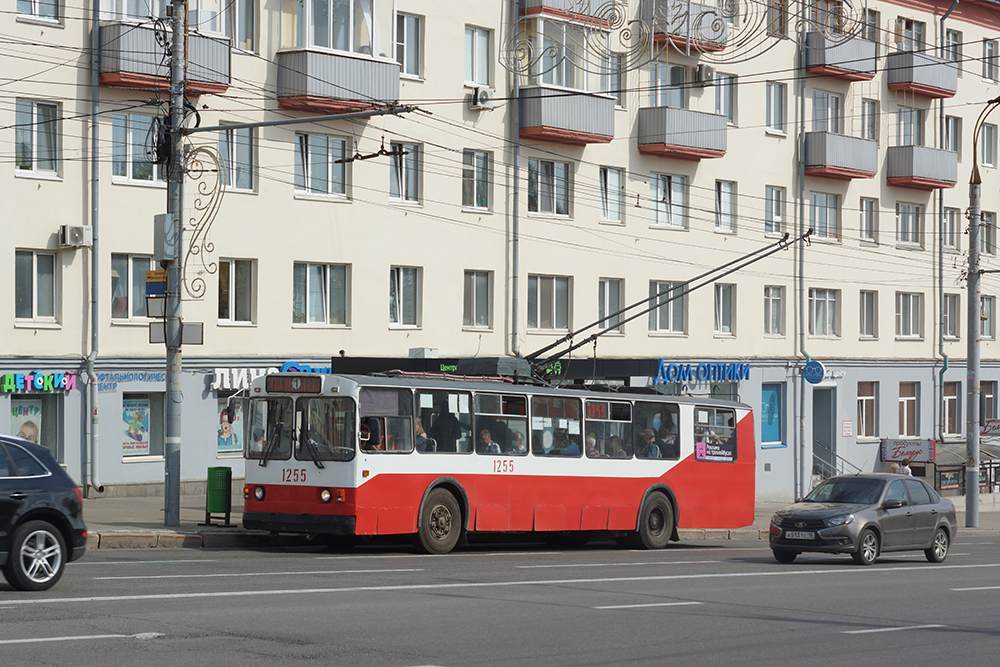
(434, 457)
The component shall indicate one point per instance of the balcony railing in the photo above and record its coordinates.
(851, 59)
(131, 57)
(703, 27)
(838, 156)
(921, 168)
(313, 80)
(681, 133)
(578, 10)
(921, 74)
(563, 116)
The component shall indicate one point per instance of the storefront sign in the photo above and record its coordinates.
(921, 451)
(991, 427)
(705, 372)
(16, 383)
(236, 379)
(814, 372)
(108, 381)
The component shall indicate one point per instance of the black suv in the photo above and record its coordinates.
(41, 516)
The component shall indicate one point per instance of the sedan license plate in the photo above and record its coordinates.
(800, 535)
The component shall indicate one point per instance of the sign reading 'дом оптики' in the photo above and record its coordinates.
(704, 372)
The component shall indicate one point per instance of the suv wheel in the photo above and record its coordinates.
(37, 557)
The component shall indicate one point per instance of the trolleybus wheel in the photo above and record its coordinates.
(440, 523)
(656, 523)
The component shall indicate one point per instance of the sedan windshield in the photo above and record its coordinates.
(847, 490)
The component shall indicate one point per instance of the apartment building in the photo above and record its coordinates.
(553, 173)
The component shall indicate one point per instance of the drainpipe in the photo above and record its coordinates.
(515, 220)
(800, 481)
(90, 420)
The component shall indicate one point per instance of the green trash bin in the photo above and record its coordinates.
(219, 494)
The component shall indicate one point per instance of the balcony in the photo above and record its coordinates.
(851, 59)
(325, 82)
(563, 116)
(837, 156)
(580, 11)
(681, 134)
(921, 168)
(130, 57)
(921, 74)
(700, 27)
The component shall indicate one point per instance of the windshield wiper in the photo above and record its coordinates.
(272, 443)
(310, 446)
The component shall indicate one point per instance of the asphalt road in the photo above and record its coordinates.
(707, 604)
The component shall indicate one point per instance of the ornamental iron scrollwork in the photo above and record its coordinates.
(204, 167)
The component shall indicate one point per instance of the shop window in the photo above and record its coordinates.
(142, 425)
(36, 419)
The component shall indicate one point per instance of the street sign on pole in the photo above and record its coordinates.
(192, 333)
(156, 283)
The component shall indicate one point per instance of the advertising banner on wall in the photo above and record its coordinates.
(230, 424)
(26, 419)
(135, 418)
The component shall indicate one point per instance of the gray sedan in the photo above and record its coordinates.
(866, 515)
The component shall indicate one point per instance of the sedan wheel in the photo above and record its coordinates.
(867, 548)
(939, 548)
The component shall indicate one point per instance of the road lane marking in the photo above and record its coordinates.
(453, 554)
(37, 640)
(651, 604)
(781, 572)
(252, 574)
(662, 562)
(874, 630)
(144, 562)
(978, 588)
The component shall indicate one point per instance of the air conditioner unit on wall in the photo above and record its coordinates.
(73, 236)
(704, 74)
(482, 98)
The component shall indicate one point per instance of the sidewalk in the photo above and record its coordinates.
(137, 523)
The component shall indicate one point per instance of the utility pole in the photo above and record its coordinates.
(173, 233)
(975, 328)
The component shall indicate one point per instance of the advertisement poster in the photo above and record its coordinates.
(135, 418)
(26, 419)
(230, 423)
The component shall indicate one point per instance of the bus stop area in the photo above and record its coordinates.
(137, 523)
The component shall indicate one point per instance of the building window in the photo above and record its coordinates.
(404, 296)
(988, 144)
(667, 85)
(951, 392)
(34, 285)
(359, 26)
(237, 151)
(868, 409)
(128, 286)
(725, 309)
(548, 302)
(609, 301)
(143, 425)
(320, 166)
(826, 16)
(320, 294)
(774, 209)
(132, 138)
(613, 82)
(725, 96)
(953, 48)
(988, 233)
(476, 170)
(777, 17)
(869, 220)
(872, 30)
(669, 198)
(775, 107)
(725, 206)
(404, 176)
(824, 215)
(990, 59)
(869, 119)
(668, 315)
(869, 314)
(236, 289)
(909, 315)
(40, 9)
(36, 137)
(563, 49)
(477, 309)
(771, 414)
(910, 34)
(908, 404)
(824, 312)
(949, 228)
(953, 135)
(232, 19)
(774, 310)
(950, 318)
(909, 126)
(828, 112)
(408, 44)
(987, 317)
(987, 401)
(909, 223)
(477, 55)
(548, 187)
(612, 194)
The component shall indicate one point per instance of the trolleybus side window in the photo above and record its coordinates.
(609, 430)
(446, 418)
(654, 427)
(387, 418)
(327, 429)
(501, 424)
(271, 425)
(714, 434)
(556, 426)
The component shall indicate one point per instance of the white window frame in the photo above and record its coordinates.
(951, 319)
(775, 110)
(404, 173)
(671, 313)
(328, 178)
(909, 126)
(725, 96)
(481, 70)
(29, 120)
(953, 49)
(868, 302)
(774, 310)
(824, 312)
(911, 34)
(987, 316)
(868, 230)
(824, 215)
(544, 302)
(238, 175)
(725, 309)
(409, 45)
(909, 315)
(990, 60)
(668, 85)
(612, 194)
(127, 153)
(133, 289)
(870, 119)
(305, 273)
(610, 295)
(40, 10)
(556, 186)
(477, 289)
(234, 19)
(988, 233)
(988, 145)
(774, 209)
(950, 222)
(951, 408)
(725, 207)
(477, 179)
(377, 18)
(828, 112)
(868, 403)
(909, 224)
(909, 410)
(238, 298)
(402, 299)
(953, 135)
(36, 276)
(669, 195)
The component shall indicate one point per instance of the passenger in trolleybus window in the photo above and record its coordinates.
(486, 444)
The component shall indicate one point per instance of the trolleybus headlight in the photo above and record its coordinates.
(325, 495)
(258, 493)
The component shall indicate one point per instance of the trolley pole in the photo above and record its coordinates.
(173, 231)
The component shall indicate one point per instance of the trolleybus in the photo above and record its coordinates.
(437, 458)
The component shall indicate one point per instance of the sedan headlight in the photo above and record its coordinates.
(841, 520)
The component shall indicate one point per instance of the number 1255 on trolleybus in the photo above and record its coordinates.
(436, 458)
